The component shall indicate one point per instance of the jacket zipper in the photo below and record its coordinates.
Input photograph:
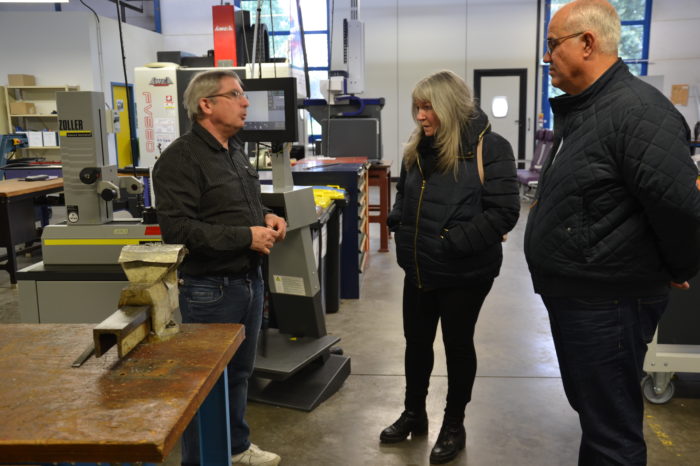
(415, 236)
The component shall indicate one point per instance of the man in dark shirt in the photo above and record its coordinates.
(208, 198)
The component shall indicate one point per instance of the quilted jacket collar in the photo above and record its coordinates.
(479, 124)
(569, 103)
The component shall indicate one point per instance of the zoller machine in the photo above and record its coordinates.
(87, 246)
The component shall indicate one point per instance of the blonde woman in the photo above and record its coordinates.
(448, 227)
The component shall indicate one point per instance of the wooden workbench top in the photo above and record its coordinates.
(17, 186)
(107, 410)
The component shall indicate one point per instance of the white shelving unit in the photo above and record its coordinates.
(45, 118)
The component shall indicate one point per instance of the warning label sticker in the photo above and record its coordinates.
(289, 285)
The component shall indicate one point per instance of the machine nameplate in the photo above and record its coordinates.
(121, 231)
(75, 134)
(71, 125)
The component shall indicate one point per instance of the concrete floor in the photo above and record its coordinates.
(518, 416)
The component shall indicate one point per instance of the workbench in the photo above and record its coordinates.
(17, 217)
(110, 410)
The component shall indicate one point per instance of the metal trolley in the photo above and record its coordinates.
(676, 344)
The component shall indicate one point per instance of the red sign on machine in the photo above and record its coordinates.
(224, 35)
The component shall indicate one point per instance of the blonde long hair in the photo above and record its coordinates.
(454, 106)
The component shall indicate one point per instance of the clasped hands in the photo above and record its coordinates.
(263, 238)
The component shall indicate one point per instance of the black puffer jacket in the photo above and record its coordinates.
(448, 229)
(617, 212)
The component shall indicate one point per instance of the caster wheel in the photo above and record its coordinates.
(652, 396)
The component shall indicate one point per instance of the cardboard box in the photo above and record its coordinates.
(22, 108)
(21, 80)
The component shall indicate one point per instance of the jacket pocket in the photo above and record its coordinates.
(585, 232)
(202, 294)
(403, 238)
(465, 207)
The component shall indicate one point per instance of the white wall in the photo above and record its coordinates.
(504, 36)
(56, 48)
(407, 40)
(674, 50)
(62, 48)
(140, 47)
(382, 69)
(101, 7)
(187, 25)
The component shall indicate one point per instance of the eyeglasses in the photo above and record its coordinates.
(232, 94)
(554, 42)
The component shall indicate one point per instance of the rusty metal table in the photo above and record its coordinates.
(111, 410)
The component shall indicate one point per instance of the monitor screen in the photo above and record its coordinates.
(266, 110)
(272, 110)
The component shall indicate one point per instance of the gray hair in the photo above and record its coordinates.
(202, 85)
(600, 18)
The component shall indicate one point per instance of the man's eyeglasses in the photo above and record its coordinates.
(232, 94)
(554, 42)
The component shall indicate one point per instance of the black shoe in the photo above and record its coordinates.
(450, 442)
(410, 422)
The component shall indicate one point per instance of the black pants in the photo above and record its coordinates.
(457, 309)
(601, 344)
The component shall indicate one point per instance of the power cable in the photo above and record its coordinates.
(258, 18)
(89, 8)
(272, 36)
(328, 102)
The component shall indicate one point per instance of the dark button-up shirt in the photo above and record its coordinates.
(207, 198)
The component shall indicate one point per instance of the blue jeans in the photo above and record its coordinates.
(601, 344)
(229, 300)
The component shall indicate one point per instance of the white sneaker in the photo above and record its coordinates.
(254, 456)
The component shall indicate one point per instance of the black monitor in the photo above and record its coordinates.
(272, 111)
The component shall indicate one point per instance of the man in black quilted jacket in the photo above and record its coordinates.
(615, 224)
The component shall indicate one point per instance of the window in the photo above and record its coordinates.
(635, 16)
(499, 106)
(275, 14)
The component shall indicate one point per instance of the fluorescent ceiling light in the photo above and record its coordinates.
(34, 1)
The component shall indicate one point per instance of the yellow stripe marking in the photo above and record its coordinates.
(660, 434)
(90, 242)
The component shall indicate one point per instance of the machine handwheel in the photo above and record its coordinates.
(652, 396)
